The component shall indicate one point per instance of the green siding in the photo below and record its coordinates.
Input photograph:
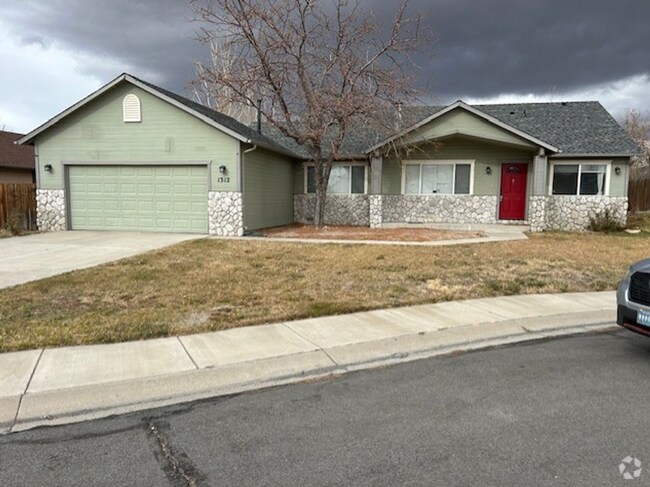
(96, 134)
(268, 196)
(461, 148)
(139, 198)
(618, 184)
(463, 122)
(391, 176)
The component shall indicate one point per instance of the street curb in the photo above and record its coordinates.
(83, 403)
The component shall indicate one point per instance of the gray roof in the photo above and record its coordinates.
(580, 128)
(574, 127)
(354, 146)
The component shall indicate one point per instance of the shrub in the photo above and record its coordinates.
(15, 223)
(605, 223)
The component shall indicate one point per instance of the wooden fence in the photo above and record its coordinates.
(639, 195)
(18, 206)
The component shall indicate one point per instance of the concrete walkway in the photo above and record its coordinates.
(32, 257)
(61, 385)
(493, 233)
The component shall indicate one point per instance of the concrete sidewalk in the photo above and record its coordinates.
(62, 385)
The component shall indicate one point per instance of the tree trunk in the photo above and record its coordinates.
(322, 171)
(319, 212)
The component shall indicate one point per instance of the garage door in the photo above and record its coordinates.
(139, 198)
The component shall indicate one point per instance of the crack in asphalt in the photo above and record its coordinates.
(173, 462)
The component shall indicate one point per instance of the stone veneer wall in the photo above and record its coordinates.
(439, 209)
(225, 213)
(50, 210)
(339, 209)
(573, 213)
(376, 216)
(537, 213)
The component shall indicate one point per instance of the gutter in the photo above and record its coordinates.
(578, 156)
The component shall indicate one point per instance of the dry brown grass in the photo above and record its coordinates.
(215, 284)
(342, 232)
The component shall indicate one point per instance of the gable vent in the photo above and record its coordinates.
(131, 108)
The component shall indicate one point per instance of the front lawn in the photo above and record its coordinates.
(211, 284)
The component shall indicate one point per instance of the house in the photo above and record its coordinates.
(133, 156)
(16, 161)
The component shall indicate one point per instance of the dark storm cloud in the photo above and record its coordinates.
(482, 48)
(145, 37)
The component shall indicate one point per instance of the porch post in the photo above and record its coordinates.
(375, 199)
(538, 199)
(376, 169)
(540, 166)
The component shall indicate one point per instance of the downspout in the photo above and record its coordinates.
(240, 182)
(37, 182)
(37, 168)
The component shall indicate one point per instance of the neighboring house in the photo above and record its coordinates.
(133, 156)
(16, 161)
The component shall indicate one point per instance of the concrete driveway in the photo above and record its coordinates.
(24, 259)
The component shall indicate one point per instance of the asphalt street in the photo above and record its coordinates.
(560, 412)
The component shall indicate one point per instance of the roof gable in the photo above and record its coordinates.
(462, 105)
(213, 118)
(462, 122)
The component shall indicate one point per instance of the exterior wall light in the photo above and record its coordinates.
(48, 167)
(223, 169)
(617, 170)
(488, 170)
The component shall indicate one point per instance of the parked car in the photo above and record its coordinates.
(633, 298)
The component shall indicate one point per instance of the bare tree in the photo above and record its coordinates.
(219, 98)
(321, 68)
(637, 127)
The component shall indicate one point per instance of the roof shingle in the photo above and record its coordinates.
(13, 155)
(574, 127)
(577, 128)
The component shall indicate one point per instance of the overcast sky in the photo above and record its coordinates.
(55, 52)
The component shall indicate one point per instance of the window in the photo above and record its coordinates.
(131, 108)
(438, 178)
(579, 179)
(344, 179)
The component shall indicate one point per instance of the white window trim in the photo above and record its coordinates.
(132, 119)
(440, 162)
(580, 163)
(349, 193)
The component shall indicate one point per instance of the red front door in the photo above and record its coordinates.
(513, 191)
